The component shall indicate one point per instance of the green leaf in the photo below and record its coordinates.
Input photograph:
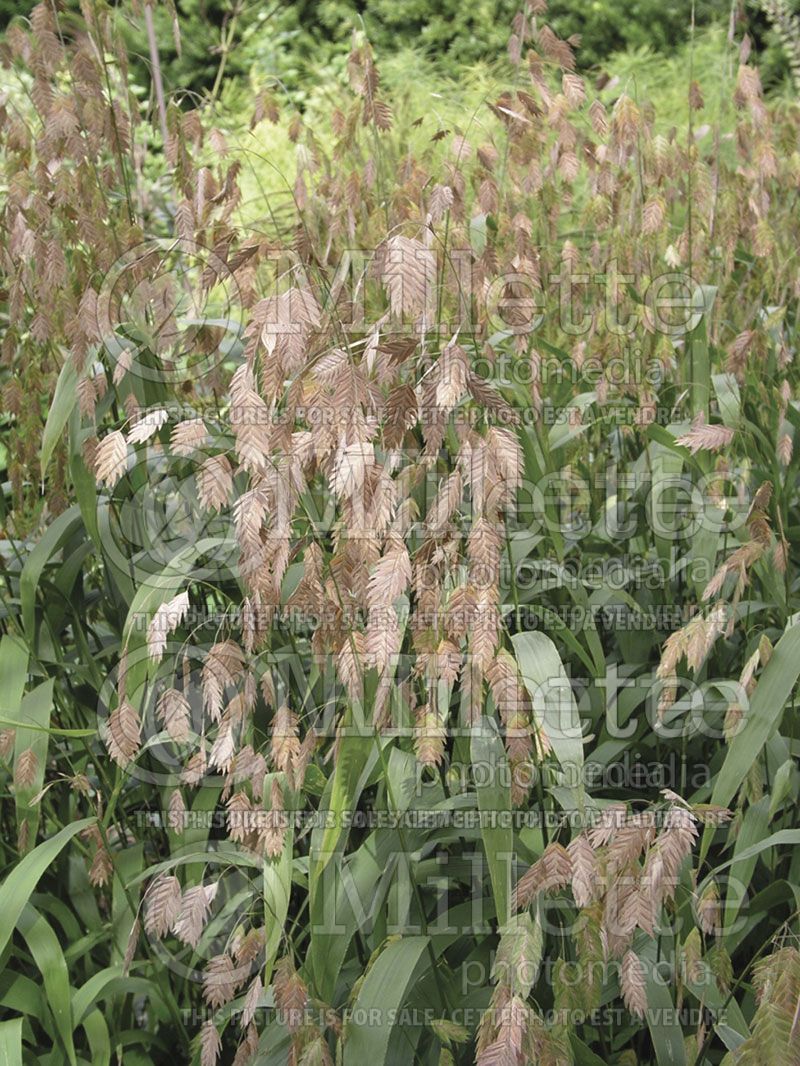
(223, 852)
(51, 730)
(698, 350)
(519, 953)
(99, 1038)
(789, 837)
(47, 954)
(781, 786)
(277, 890)
(60, 410)
(584, 1056)
(20, 883)
(662, 1019)
(83, 481)
(11, 1042)
(13, 672)
(554, 704)
(356, 757)
(494, 803)
(752, 830)
(34, 712)
(100, 986)
(128, 864)
(53, 539)
(350, 886)
(152, 591)
(381, 996)
(728, 397)
(763, 716)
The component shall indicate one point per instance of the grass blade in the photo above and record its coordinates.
(20, 883)
(382, 995)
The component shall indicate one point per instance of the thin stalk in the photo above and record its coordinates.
(155, 64)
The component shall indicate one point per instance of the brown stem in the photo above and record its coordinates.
(155, 63)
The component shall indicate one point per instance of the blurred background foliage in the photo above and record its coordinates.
(300, 41)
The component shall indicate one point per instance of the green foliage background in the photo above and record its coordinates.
(294, 42)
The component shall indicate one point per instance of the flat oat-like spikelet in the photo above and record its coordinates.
(483, 551)
(291, 994)
(7, 737)
(350, 467)
(285, 742)
(350, 664)
(510, 700)
(221, 669)
(272, 823)
(651, 890)
(653, 214)
(629, 841)
(110, 459)
(675, 843)
(450, 376)
(383, 637)
(703, 437)
(611, 819)
(193, 914)
(247, 947)
(785, 449)
(102, 867)
(585, 872)
(176, 811)
(301, 764)
(240, 816)
(445, 502)
(626, 120)
(195, 769)
(621, 910)
(574, 89)
(632, 983)
(552, 870)
(598, 117)
(249, 513)
(188, 436)
(441, 200)
(147, 426)
(401, 413)
(489, 1023)
(251, 1001)
(222, 749)
(429, 736)
(408, 270)
(130, 947)
(123, 733)
(506, 453)
(246, 1051)
(506, 1049)
(220, 980)
(210, 1044)
(251, 426)
(297, 314)
(708, 910)
(485, 633)
(391, 576)
(519, 954)
(165, 621)
(251, 766)
(174, 711)
(214, 482)
(162, 904)
(25, 768)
